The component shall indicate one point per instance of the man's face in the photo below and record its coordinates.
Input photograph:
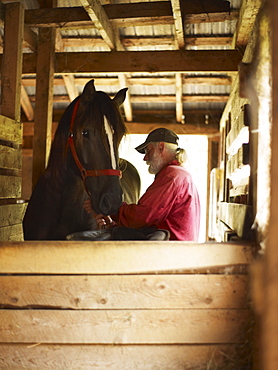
(153, 158)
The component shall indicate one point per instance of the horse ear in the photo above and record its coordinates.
(89, 89)
(120, 96)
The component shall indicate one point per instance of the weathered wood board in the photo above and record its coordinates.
(238, 217)
(10, 157)
(124, 326)
(204, 291)
(11, 233)
(115, 310)
(10, 186)
(118, 257)
(10, 130)
(124, 357)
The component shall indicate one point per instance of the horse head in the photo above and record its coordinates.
(95, 133)
(90, 132)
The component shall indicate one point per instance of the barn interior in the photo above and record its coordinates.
(206, 69)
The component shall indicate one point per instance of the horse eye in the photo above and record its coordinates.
(85, 133)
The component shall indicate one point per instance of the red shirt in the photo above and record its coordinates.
(171, 202)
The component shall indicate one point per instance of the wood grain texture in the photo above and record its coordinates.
(11, 214)
(124, 357)
(125, 291)
(11, 233)
(10, 186)
(124, 326)
(111, 257)
(10, 130)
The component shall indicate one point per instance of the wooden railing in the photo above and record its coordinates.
(124, 305)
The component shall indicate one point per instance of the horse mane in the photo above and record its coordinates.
(91, 109)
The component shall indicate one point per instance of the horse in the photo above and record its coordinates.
(83, 164)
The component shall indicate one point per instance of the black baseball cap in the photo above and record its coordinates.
(157, 135)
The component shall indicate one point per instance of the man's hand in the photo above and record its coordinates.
(103, 222)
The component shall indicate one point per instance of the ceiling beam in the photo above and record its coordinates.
(247, 16)
(141, 61)
(178, 23)
(130, 14)
(99, 18)
(141, 41)
(30, 39)
(179, 101)
(197, 98)
(127, 103)
(179, 129)
(70, 86)
(145, 81)
(194, 122)
(26, 104)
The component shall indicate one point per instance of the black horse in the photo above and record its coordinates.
(83, 163)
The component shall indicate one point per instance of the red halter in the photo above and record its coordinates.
(85, 173)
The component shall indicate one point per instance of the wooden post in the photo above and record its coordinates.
(44, 100)
(12, 61)
(270, 322)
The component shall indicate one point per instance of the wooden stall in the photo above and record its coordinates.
(144, 305)
(111, 305)
(11, 129)
(242, 178)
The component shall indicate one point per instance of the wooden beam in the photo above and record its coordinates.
(146, 121)
(173, 98)
(141, 61)
(179, 98)
(26, 104)
(247, 16)
(43, 105)
(12, 61)
(30, 39)
(178, 22)
(99, 17)
(269, 277)
(2, 14)
(70, 86)
(220, 40)
(130, 14)
(127, 103)
(145, 81)
(141, 41)
(185, 129)
(156, 98)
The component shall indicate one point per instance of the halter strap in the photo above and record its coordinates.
(86, 173)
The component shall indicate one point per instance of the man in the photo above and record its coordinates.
(171, 202)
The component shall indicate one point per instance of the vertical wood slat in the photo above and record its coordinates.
(12, 61)
(270, 323)
(44, 100)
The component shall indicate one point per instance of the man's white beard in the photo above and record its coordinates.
(156, 164)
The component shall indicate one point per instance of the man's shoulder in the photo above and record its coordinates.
(176, 170)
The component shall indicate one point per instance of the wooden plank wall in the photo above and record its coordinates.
(243, 198)
(230, 197)
(11, 212)
(122, 305)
